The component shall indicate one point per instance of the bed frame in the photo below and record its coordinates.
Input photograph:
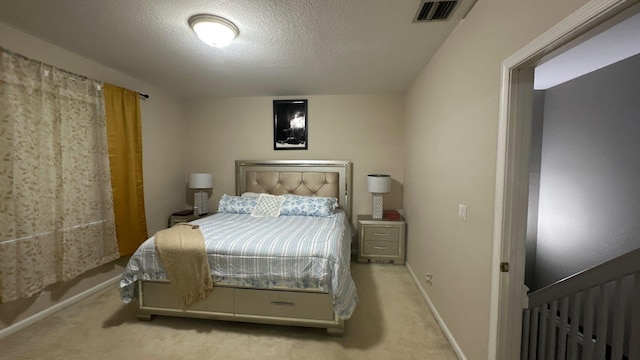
(308, 308)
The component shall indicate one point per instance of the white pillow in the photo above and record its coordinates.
(268, 206)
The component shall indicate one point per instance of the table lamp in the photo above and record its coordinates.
(200, 182)
(378, 184)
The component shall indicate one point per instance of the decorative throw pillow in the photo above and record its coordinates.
(308, 205)
(268, 206)
(237, 204)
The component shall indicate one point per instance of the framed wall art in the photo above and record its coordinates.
(290, 124)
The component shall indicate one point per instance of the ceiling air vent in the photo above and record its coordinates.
(434, 10)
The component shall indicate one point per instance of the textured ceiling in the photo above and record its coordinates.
(285, 47)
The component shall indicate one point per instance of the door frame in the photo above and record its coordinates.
(508, 293)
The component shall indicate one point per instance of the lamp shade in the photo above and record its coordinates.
(200, 181)
(378, 183)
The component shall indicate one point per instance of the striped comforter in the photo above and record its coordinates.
(301, 252)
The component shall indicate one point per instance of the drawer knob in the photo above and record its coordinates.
(380, 234)
(381, 247)
(282, 303)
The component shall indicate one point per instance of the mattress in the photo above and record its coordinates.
(292, 252)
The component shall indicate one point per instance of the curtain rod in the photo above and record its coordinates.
(2, 49)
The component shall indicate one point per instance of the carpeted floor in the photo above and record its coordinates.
(391, 321)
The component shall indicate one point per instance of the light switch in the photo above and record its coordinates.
(462, 212)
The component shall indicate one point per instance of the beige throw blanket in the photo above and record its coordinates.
(181, 251)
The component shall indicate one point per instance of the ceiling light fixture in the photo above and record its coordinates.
(214, 30)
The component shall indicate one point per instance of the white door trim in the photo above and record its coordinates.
(510, 212)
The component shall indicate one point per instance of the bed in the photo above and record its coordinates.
(295, 271)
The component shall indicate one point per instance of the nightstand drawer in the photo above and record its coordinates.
(381, 240)
(387, 233)
(386, 248)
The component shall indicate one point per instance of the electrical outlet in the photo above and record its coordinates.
(428, 278)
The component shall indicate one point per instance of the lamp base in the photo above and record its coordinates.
(377, 206)
(200, 202)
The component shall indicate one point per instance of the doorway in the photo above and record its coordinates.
(512, 174)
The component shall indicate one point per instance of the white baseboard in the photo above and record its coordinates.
(443, 326)
(57, 307)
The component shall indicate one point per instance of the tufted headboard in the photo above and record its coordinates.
(330, 178)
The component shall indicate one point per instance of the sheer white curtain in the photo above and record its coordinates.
(56, 206)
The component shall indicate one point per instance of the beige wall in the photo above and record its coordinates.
(452, 117)
(163, 136)
(367, 130)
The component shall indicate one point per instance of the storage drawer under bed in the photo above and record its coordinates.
(156, 294)
(243, 301)
(283, 303)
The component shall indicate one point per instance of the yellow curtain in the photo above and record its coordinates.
(124, 135)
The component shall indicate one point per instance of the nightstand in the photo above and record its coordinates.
(184, 216)
(381, 240)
